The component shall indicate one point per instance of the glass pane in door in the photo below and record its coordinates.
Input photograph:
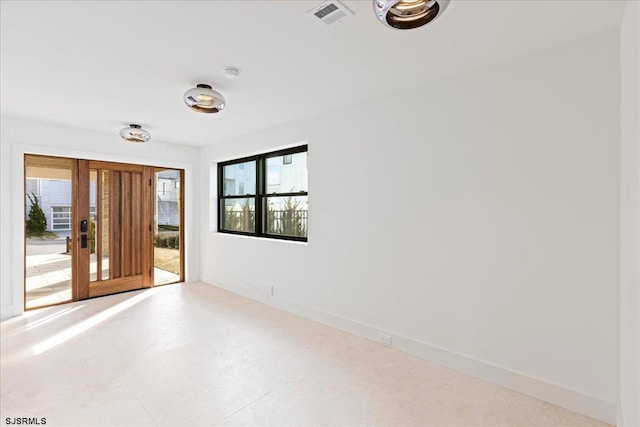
(93, 185)
(103, 224)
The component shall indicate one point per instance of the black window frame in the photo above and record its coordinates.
(260, 195)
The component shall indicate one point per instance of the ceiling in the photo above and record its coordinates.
(103, 64)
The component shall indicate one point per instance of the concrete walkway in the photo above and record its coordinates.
(48, 272)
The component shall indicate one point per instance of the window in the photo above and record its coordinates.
(257, 196)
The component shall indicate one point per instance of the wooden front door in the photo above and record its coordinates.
(112, 233)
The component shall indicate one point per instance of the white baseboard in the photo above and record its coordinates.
(540, 389)
(620, 420)
(6, 311)
(252, 292)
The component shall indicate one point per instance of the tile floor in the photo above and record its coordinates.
(193, 354)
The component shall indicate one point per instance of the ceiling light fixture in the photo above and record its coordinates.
(232, 72)
(408, 14)
(135, 133)
(204, 99)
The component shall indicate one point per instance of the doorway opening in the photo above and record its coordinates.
(95, 228)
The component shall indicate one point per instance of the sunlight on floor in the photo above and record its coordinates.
(51, 317)
(198, 355)
(89, 323)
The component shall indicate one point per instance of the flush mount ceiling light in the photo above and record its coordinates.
(135, 133)
(408, 14)
(204, 99)
(232, 72)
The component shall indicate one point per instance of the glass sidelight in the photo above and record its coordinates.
(48, 221)
(168, 236)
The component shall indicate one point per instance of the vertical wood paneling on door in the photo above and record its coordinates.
(75, 190)
(116, 221)
(125, 231)
(129, 227)
(148, 214)
(81, 212)
(136, 223)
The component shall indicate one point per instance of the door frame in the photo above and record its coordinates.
(20, 215)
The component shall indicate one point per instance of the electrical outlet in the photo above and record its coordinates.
(384, 339)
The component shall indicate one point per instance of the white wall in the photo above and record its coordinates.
(475, 219)
(21, 136)
(630, 218)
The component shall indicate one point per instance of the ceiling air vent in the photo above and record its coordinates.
(329, 12)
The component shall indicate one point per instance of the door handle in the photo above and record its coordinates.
(83, 241)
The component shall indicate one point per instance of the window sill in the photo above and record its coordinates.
(260, 238)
